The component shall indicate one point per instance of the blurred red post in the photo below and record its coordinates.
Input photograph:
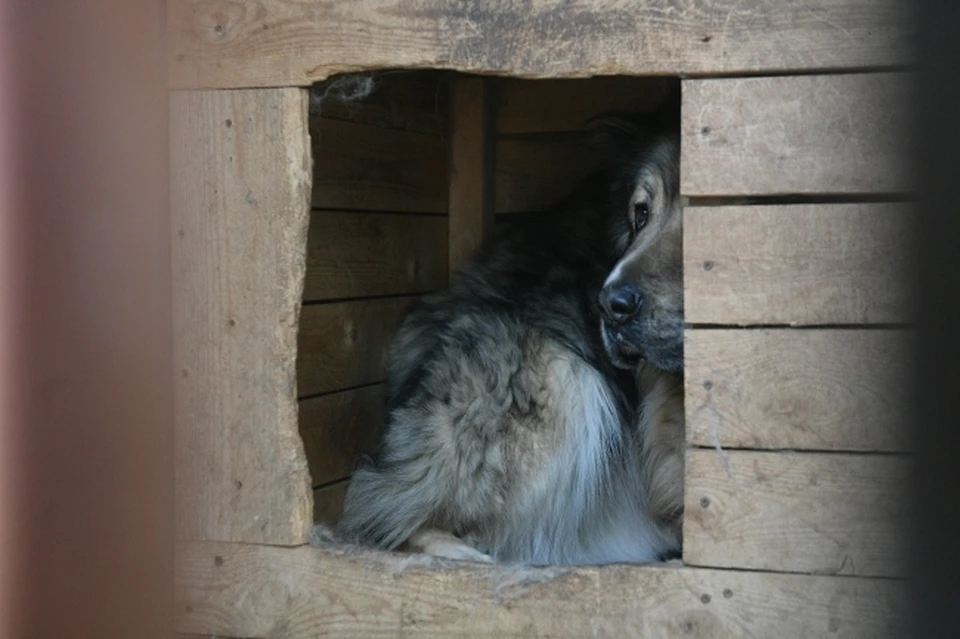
(85, 423)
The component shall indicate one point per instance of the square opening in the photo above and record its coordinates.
(379, 234)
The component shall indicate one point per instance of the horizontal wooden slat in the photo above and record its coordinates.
(308, 592)
(537, 173)
(352, 254)
(825, 513)
(336, 427)
(410, 101)
(796, 135)
(328, 503)
(805, 389)
(362, 167)
(564, 105)
(342, 344)
(802, 264)
(220, 43)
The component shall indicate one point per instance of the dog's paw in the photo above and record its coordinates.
(446, 545)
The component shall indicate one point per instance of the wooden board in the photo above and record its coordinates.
(363, 167)
(342, 345)
(796, 135)
(308, 592)
(241, 175)
(547, 106)
(536, 173)
(798, 264)
(406, 100)
(471, 163)
(803, 512)
(336, 427)
(804, 389)
(328, 503)
(351, 254)
(219, 43)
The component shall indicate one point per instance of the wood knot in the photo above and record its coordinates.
(704, 502)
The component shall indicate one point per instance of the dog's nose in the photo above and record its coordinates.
(621, 301)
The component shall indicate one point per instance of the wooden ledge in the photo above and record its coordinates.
(267, 591)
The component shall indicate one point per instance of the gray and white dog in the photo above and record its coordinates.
(535, 410)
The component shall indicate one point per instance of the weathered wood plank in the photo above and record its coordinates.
(342, 344)
(335, 428)
(241, 175)
(471, 161)
(796, 135)
(549, 106)
(351, 254)
(798, 264)
(821, 389)
(363, 167)
(410, 101)
(308, 592)
(274, 42)
(535, 174)
(824, 513)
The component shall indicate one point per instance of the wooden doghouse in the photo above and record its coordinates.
(300, 236)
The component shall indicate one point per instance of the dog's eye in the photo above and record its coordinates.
(641, 215)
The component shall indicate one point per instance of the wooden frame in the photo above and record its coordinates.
(242, 162)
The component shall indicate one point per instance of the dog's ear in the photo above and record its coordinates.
(614, 133)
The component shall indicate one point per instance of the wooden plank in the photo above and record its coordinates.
(241, 175)
(823, 389)
(548, 106)
(328, 503)
(822, 513)
(798, 264)
(796, 135)
(352, 254)
(406, 100)
(335, 428)
(342, 345)
(471, 162)
(309, 592)
(535, 174)
(218, 43)
(362, 167)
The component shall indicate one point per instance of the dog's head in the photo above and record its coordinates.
(641, 302)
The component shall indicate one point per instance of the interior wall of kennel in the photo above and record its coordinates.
(795, 309)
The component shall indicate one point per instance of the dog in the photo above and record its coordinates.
(535, 407)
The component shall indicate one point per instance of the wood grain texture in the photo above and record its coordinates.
(471, 161)
(351, 254)
(308, 592)
(336, 427)
(822, 513)
(822, 389)
(798, 264)
(363, 167)
(548, 106)
(537, 173)
(342, 344)
(241, 186)
(407, 100)
(796, 135)
(224, 44)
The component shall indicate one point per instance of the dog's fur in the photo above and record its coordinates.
(522, 426)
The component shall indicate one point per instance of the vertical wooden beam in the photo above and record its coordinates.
(471, 168)
(241, 172)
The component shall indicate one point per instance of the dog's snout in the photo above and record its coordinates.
(620, 301)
